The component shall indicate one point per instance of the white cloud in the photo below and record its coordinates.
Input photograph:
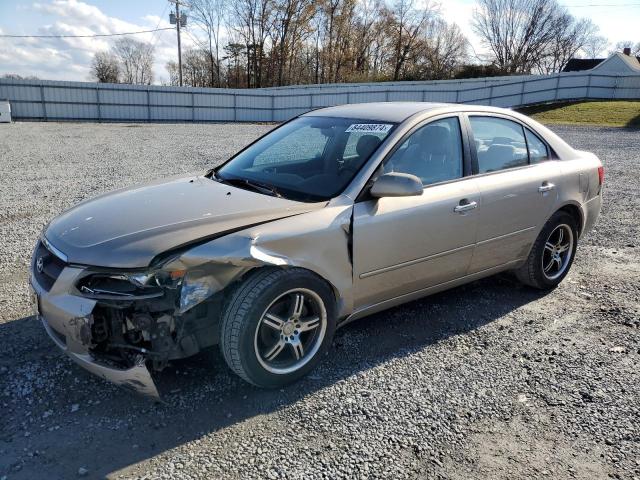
(70, 58)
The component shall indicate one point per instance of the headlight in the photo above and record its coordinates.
(195, 290)
(130, 285)
(190, 287)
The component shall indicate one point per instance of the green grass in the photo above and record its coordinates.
(618, 113)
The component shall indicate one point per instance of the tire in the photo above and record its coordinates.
(249, 336)
(540, 269)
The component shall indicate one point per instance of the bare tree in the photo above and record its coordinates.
(252, 21)
(291, 26)
(405, 23)
(15, 76)
(595, 46)
(196, 69)
(368, 33)
(571, 37)
(517, 32)
(526, 35)
(105, 67)
(209, 15)
(635, 48)
(136, 60)
(446, 50)
(280, 42)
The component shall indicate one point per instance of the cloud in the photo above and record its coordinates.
(70, 58)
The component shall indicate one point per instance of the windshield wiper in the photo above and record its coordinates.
(243, 182)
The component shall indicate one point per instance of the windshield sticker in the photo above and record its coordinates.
(370, 127)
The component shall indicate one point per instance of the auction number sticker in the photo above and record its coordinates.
(369, 127)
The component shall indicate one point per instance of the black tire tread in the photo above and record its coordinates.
(235, 311)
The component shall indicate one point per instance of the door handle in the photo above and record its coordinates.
(465, 206)
(546, 187)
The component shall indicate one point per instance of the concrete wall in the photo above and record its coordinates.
(56, 100)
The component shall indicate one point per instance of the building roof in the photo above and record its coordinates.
(580, 64)
(631, 61)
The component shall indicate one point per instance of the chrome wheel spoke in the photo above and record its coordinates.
(560, 237)
(298, 349)
(547, 267)
(549, 246)
(275, 351)
(273, 321)
(297, 304)
(308, 324)
(563, 248)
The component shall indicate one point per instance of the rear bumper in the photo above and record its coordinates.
(67, 320)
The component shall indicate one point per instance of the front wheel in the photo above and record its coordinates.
(277, 325)
(552, 253)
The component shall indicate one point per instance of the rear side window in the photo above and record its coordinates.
(499, 143)
(538, 151)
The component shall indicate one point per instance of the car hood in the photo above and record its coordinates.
(128, 228)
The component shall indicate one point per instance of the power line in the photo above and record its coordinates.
(603, 5)
(155, 37)
(86, 36)
(198, 42)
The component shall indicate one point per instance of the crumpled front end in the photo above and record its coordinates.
(117, 329)
(122, 324)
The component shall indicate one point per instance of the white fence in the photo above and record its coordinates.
(55, 100)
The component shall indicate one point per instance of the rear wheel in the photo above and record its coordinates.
(552, 253)
(277, 325)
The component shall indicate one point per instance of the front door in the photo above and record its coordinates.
(401, 245)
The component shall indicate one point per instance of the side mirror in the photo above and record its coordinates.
(396, 184)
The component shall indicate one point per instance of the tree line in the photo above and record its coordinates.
(264, 43)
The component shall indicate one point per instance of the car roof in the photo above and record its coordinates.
(383, 111)
(398, 112)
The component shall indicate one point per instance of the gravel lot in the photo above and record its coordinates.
(490, 380)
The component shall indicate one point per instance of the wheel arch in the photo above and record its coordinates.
(260, 268)
(575, 210)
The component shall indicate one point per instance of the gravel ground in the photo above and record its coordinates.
(489, 380)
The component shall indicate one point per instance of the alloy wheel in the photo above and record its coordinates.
(557, 251)
(290, 331)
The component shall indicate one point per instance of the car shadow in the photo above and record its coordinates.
(58, 418)
(634, 123)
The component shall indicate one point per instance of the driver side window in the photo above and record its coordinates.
(432, 153)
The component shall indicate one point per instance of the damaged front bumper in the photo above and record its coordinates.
(67, 319)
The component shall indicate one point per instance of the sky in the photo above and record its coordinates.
(70, 58)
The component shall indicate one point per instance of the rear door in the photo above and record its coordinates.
(517, 179)
(404, 244)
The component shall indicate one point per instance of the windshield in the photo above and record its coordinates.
(307, 159)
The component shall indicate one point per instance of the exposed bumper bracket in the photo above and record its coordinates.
(137, 378)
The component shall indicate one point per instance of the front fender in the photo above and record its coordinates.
(318, 241)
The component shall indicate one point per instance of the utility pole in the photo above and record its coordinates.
(180, 20)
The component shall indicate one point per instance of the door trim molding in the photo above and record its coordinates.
(506, 235)
(423, 292)
(409, 263)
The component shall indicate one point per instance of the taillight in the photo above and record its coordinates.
(600, 175)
